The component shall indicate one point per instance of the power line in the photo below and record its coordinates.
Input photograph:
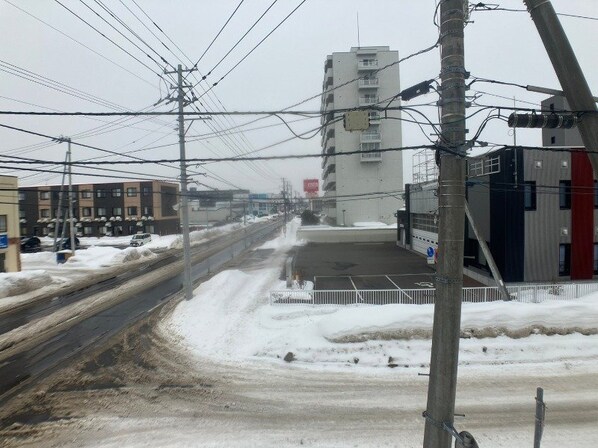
(255, 47)
(238, 42)
(218, 34)
(496, 7)
(228, 159)
(82, 44)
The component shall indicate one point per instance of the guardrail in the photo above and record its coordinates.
(532, 293)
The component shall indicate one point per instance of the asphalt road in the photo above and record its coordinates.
(36, 347)
(147, 391)
(343, 266)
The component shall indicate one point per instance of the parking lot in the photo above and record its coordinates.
(362, 266)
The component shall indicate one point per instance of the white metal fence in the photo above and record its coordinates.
(529, 293)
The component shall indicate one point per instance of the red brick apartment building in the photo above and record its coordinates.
(116, 208)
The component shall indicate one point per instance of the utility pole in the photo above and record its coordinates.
(60, 205)
(444, 360)
(187, 283)
(284, 200)
(569, 72)
(71, 198)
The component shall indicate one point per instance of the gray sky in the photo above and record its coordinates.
(285, 69)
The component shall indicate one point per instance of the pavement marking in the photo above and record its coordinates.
(389, 279)
(355, 287)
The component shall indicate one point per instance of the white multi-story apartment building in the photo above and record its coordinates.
(347, 180)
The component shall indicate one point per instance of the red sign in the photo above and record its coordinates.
(311, 185)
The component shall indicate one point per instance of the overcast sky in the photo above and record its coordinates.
(285, 69)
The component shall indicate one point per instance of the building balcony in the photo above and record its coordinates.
(330, 169)
(370, 156)
(330, 177)
(328, 156)
(367, 64)
(368, 83)
(368, 100)
(370, 137)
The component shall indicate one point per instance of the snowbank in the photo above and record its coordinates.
(230, 319)
(16, 283)
(287, 237)
(40, 270)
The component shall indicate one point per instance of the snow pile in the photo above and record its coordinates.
(17, 283)
(230, 319)
(195, 237)
(220, 320)
(287, 237)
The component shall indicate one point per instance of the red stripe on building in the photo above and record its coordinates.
(582, 217)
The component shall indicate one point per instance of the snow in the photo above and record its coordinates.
(230, 319)
(41, 274)
(286, 239)
(372, 225)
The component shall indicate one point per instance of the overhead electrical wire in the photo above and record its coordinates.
(481, 7)
(255, 47)
(83, 45)
(218, 34)
(236, 43)
(107, 38)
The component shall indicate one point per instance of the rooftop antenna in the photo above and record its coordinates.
(358, 41)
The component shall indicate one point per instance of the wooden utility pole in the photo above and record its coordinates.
(568, 70)
(444, 360)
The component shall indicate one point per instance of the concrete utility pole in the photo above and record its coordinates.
(442, 385)
(60, 205)
(71, 199)
(187, 283)
(569, 72)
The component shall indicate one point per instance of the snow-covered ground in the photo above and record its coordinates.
(230, 319)
(40, 272)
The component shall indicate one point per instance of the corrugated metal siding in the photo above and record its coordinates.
(543, 226)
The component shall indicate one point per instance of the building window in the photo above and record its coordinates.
(44, 212)
(45, 231)
(552, 140)
(3, 223)
(103, 230)
(595, 258)
(132, 230)
(150, 229)
(44, 195)
(565, 194)
(564, 259)
(425, 221)
(86, 211)
(529, 195)
(101, 193)
(131, 211)
(148, 211)
(87, 230)
(117, 193)
(22, 214)
(117, 211)
(132, 192)
(21, 196)
(87, 194)
(101, 211)
(147, 191)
